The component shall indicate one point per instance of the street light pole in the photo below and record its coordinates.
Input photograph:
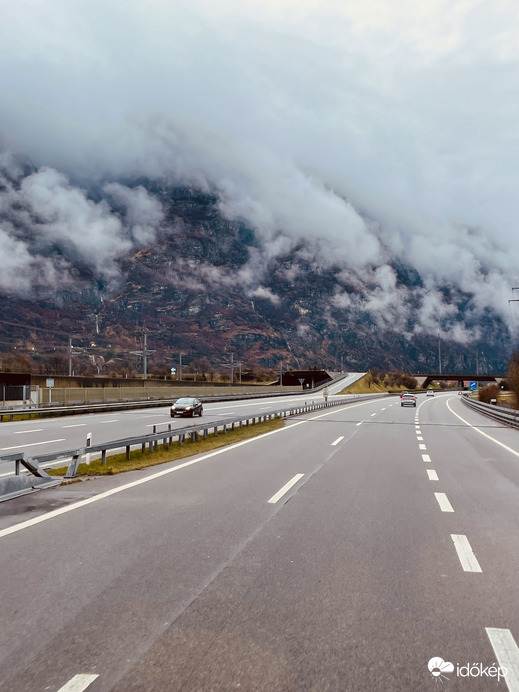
(439, 354)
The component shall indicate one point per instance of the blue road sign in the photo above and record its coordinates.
(173, 370)
(473, 386)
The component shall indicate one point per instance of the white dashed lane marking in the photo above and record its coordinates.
(426, 458)
(78, 683)
(433, 476)
(443, 501)
(285, 488)
(507, 654)
(337, 441)
(465, 553)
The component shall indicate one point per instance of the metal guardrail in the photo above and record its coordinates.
(14, 486)
(151, 441)
(499, 413)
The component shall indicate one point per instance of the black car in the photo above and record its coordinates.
(187, 406)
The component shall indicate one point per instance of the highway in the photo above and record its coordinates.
(47, 435)
(366, 548)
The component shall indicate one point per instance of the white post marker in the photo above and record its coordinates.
(285, 488)
(88, 444)
(507, 654)
(465, 553)
(78, 683)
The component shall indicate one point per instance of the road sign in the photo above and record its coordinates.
(50, 382)
(173, 370)
(473, 386)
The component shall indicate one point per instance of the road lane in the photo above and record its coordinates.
(194, 581)
(66, 433)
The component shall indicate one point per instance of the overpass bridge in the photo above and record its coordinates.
(460, 378)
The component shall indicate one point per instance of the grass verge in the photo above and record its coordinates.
(118, 463)
(363, 387)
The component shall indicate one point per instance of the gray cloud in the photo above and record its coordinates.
(372, 131)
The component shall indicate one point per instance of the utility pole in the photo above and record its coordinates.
(477, 363)
(70, 356)
(439, 354)
(232, 365)
(144, 354)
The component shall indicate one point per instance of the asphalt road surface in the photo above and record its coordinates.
(47, 435)
(368, 548)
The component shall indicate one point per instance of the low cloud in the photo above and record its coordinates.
(361, 136)
(47, 224)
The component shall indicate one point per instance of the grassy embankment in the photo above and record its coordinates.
(118, 463)
(366, 385)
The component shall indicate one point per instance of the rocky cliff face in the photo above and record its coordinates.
(205, 285)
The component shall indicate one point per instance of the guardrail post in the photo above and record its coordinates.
(205, 433)
(143, 447)
(72, 469)
(127, 452)
(103, 457)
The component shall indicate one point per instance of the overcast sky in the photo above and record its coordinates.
(375, 129)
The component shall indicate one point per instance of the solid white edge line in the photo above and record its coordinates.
(507, 654)
(465, 553)
(443, 501)
(433, 476)
(337, 441)
(508, 449)
(285, 488)
(32, 444)
(79, 683)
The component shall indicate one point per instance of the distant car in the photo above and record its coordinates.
(460, 393)
(430, 392)
(408, 400)
(187, 406)
(403, 393)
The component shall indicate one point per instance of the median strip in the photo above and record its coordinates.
(139, 459)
